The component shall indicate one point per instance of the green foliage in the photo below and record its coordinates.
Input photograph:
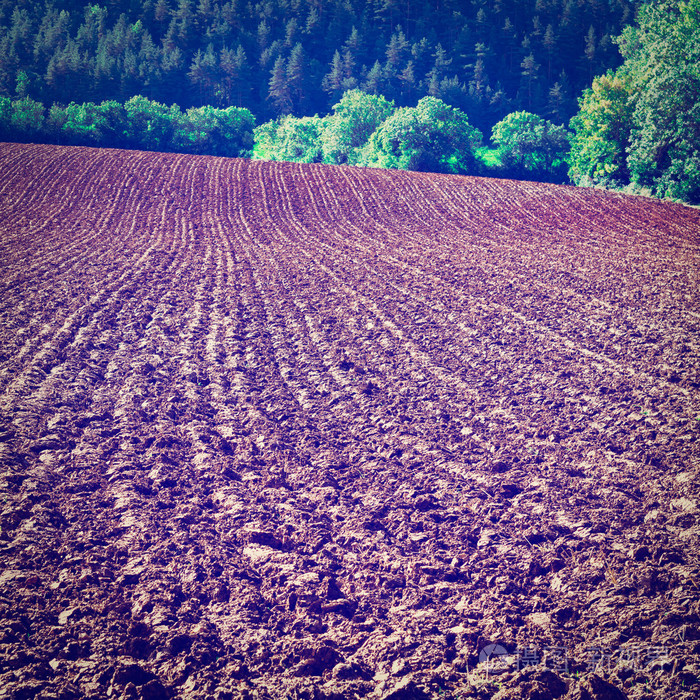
(489, 160)
(531, 147)
(602, 132)
(140, 123)
(663, 63)
(642, 123)
(27, 118)
(151, 126)
(430, 137)
(77, 124)
(291, 139)
(216, 132)
(113, 124)
(355, 118)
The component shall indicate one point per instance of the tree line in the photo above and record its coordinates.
(369, 130)
(363, 129)
(139, 123)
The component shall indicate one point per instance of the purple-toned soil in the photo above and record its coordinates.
(273, 431)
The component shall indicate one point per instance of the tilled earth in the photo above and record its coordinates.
(274, 430)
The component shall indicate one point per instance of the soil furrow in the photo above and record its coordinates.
(276, 430)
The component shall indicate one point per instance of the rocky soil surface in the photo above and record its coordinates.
(276, 431)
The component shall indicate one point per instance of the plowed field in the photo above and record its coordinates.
(273, 430)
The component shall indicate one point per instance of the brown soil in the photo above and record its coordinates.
(284, 431)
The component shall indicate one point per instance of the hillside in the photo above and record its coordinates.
(279, 57)
(278, 430)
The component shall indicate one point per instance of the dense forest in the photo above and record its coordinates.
(299, 57)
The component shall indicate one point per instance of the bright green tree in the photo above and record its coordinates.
(216, 132)
(354, 120)
(291, 139)
(27, 120)
(602, 130)
(150, 125)
(642, 123)
(663, 64)
(531, 147)
(431, 137)
(77, 124)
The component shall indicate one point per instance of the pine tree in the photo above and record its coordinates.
(160, 13)
(205, 15)
(385, 11)
(172, 64)
(374, 81)
(530, 69)
(437, 72)
(203, 71)
(333, 80)
(263, 35)
(590, 51)
(479, 83)
(291, 32)
(482, 27)
(556, 104)
(185, 22)
(312, 21)
(348, 68)
(296, 76)
(421, 54)
(150, 73)
(278, 92)
(20, 34)
(233, 66)
(353, 41)
(93, 28)
(53, 34)
(407, 78)
(396, 50)
(549, 43)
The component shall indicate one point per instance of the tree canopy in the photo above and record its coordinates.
(432, 136)
(355, 118)
(641, 123)
(602, 132)
(531, 147)
(662, 61)
(290, 138)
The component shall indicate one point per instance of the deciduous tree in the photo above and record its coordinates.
(531, 147)
(431, 136)
(602, 131)
(354, 120)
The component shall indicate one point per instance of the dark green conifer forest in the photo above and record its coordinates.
(299, 56)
